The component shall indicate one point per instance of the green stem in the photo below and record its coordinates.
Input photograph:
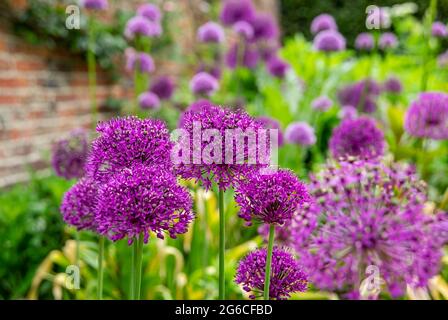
(138, 271)
(133, 264)
(100, 267)
(78, 242)
(91, 68)
(267, 275)
(431, 14)
(222, 248)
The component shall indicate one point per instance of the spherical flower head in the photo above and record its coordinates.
(272, 198)
(195, 107)
(140, 26)
(388, 40)
(361, 95)
(348, 112)
(369, 214)
(149, 100)
(150, 11)
(233, 11)
(322, 103)
(265, 27)
(364, 41)
(357, 137)
(277, 67)
(393, 85)
(163, 87)
(204, 84)
(69, 155)
(140, 60)
(271, 123)
(300, 133)
(323, 22)
(249, 58)
(442, 59)
(244, 29)
(427, 117)
(78, 205)
(210, 32)
(217, 157)
(125, 141)
(329, 41)
(95, 4)
(142, 199)
(439, 30)
(286, 274)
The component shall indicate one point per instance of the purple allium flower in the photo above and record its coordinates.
(329, 40)
(300, 133)
(140, 26)
(322, 103)
(271, 123)
(233, 11)
(277, 67)
(361, 95)
(348, 112)
(249, 58)
(368, 213)
(265, 27)
(393, 85)
(203, 83)
(140, 60)
(150, 11)
(272, 198)
(244, 29)
(78, 205)
(141, 199)
(439, 30)
(226, 163)
(323, 22)
(364, 41)
(286, 274)
(196, 106)
(358, 137)
(427, 117)
(125, 141)
(442, 59)
(388, 40)
(149, 100)
(95, 4)
(210, 32)
(69, 155)
(163, 87)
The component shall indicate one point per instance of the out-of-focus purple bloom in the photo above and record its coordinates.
(427, 117)
(196, 106)
(211, 32)
(268, 49)
(277, 67)
(95, 4)
(323, 22)
(249, 58)
(272, 198)
(233, 11)
(348, 112)
(286, 274)
(141, 199)
(439, 30)
(244, 29)
(265, 27)
(69, 155)
(388, 40)
(78, 205)
(140, 60)
(163, 87)
(357, 137)
(214, 70)
(361, 95)
(149, 100)
(364, 41)
(203, 83)
(393, 85)
(442, 59)
(140, 26)
(322, 103)
(300, 133)
(125, 141)
(329, 40)
(150, 11)
(271, 123)
(369, 214)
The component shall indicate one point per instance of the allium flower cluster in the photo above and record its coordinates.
(357, 137)
(163, 87)
(277, 67)
(323, 22)
(150, 11)
(149, 101)
(203, 83)
(439, 30)
(140, 60)
(95, 4)
(322, 103)
(244, 29)
(427, 117)
(329, 41)
(365, 41)
(361, 95)
(300, 133)
(249, 58)
(210, 32)
(388, 40)
(234, 11)
(195, 107)
(141, 26)
(264, 27)
(393, 85)
(369, 214)
(287, 276)
(271, 123)
(272, 198)
(69, 155)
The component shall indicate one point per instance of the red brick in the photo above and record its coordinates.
(30, 65)
(8, 99)
(13, 82)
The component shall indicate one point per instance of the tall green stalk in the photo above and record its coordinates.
(138, 271)
(429, 19)
(100, 267)
(133, 257)
(78, 241)
(267, 275)
(222, 248)
(91, 68)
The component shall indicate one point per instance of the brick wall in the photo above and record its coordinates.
(44, 94)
